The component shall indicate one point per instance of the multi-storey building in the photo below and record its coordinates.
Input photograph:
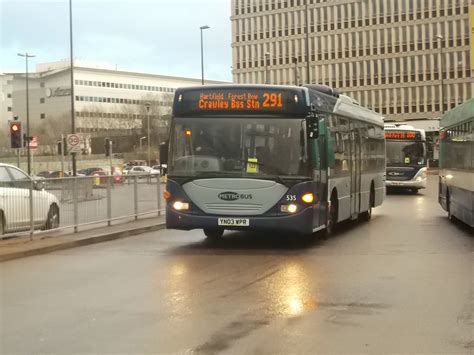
(407, 59)
(108, 102)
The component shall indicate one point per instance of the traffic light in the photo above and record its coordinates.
(108, 147)
(62, 144)
(16, 136)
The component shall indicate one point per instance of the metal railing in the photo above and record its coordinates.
(33, 206)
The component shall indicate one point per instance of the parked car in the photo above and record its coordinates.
(142, 170)
(89, 171)
(51, 174)
(15, 187)
(161, 168)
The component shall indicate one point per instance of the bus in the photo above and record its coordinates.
(406, 157)
(456, 156)
(262, 157)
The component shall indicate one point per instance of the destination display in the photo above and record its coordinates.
(408, 135)
(239, 101)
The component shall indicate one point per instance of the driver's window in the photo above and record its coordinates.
(5, 179)
(20, 179)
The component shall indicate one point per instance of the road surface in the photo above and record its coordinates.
(401, 283)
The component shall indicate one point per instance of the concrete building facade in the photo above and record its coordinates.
(407, 59)
(108, 102)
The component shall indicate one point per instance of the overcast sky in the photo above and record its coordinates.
(156, 36)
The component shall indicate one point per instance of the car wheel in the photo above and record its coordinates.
(213, 235)
(52, 221)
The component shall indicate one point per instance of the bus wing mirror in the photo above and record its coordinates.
(312, 129)
(164, 153)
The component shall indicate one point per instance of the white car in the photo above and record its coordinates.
(15, 202)
(142, 170)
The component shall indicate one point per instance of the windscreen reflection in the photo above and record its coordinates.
(239, 147)
(405, 153)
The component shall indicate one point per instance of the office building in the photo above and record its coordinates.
(108, 102)
(406, 59)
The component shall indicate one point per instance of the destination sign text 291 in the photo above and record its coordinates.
(240, 100)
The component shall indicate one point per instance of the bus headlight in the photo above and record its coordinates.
(291, 208)
(421, 175)
(180, 206)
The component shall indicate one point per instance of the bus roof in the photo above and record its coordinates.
(342, 105)
(459, 114)
(402, 127)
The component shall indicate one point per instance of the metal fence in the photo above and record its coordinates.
(30, 207)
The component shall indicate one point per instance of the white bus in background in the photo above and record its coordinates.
(406, 154)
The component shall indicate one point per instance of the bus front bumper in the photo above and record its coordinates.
(300, 223)
(418, 183)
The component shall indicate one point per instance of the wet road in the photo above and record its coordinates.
(404, 282)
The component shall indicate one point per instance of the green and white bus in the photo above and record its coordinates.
(456, 157)
(261, 157)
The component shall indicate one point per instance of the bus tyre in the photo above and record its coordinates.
(414, 191)
(213, 234)
(367, 215)
(331, 219)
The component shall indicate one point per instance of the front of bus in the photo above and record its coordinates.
(406, 158)
(238, 160)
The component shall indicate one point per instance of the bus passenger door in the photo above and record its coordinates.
(320, 178)
(355, 171)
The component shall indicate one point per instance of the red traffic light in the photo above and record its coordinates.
(15, 127)
(16, 139)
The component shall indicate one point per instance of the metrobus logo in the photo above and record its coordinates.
(233, 196)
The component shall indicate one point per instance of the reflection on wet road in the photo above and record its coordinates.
(402, 282)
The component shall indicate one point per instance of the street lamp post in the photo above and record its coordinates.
(28, 150)
(147, 106)
(205, 27)
(308, 78)
(267, 74)
(440, 38)
(73, 97)
(295, 61)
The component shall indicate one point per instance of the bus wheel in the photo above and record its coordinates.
(367, 215)
(331, 219)
(414, 191)
(213, 234)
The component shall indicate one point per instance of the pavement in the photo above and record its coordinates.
(23, 246)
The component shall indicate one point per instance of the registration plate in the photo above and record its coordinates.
(240, 222)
